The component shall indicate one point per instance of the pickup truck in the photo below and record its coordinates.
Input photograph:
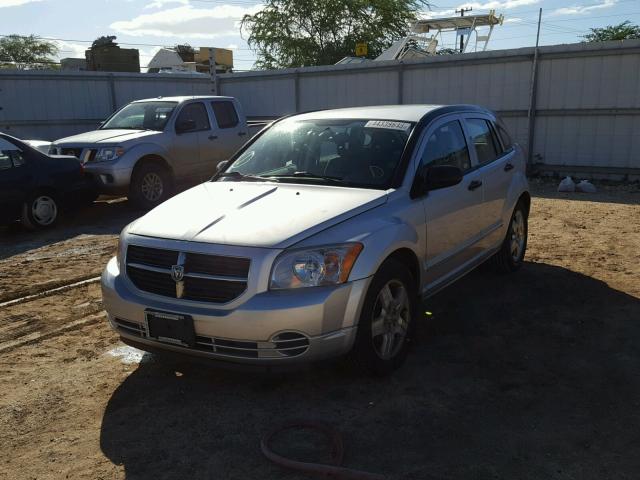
(325, 232)
(148, 146)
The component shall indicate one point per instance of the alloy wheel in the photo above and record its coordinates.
(391, 317)
(44, 210)
(152, 187)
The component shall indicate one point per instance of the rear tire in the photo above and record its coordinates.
(510, 257)
(40, 211)
(151, 184)
(387, 321)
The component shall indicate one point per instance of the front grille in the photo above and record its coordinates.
(207, 278)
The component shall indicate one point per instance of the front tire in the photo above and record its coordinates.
(387, 321)
(510, 257)
(41, 210)
(151, 184)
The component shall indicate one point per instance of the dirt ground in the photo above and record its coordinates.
(534, 375)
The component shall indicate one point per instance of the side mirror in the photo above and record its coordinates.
(186, 126)
(221, 165)
(434, 177)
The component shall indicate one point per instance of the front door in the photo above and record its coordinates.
(192, 123)
(452, 221)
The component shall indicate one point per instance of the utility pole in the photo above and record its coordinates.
(531, 114)
(462, 12)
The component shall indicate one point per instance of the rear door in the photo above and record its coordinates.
(232, 130)
(495, 168)
(452, 222)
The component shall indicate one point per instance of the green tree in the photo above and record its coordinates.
(623, 31)
(22, 52)
(296, 33)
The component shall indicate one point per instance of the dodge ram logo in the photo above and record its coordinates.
(177, 273)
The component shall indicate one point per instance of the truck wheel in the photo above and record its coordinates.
(41, 210)
(511, 254)
(387, 321)
(150, 185)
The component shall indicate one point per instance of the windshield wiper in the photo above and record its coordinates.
(326, 178)
(241, 176)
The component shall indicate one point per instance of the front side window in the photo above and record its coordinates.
(447, 146)
(225, 113)
(193, 118)
(483, 140)
(141, 116)
(349, 152)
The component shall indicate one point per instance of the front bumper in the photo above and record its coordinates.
(109, 177)
(326, 317)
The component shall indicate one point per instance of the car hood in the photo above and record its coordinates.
(264, 214)
(105, 136)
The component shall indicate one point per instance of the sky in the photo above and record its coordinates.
(150, 24)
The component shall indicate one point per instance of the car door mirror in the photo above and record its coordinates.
(434, 177)
(186, 126)
(222, 165)
(441, 176)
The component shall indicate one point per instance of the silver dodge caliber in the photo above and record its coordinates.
(320, 237)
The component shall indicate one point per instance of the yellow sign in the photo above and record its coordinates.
(361, 49)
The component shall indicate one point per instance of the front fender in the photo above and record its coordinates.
(136, 152)
(382, 230)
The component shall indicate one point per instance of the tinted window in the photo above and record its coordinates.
(447, 146)
(18, 159)
(363, 153)
(5, 160)
(483, 140)
(504, 136)
(225, 113)
(196, 112)
(141, 116)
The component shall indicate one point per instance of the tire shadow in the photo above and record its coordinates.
(528, 376)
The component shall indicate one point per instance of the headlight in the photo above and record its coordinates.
(120, 253)
(108, 153)
(313, 267)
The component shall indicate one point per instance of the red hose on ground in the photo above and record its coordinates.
(318, 469)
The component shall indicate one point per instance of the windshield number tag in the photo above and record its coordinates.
(403, 126)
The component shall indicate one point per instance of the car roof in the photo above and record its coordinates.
(406, 113)
(183, 98)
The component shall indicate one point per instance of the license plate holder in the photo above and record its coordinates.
(170, 328)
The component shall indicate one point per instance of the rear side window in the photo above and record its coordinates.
(225, 113)
(196, 112)
(5, 160)
(447, 146)
(10, 155)
(483, 140)
(507, 143)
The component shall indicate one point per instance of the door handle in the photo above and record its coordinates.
(508, 167)
(474, 184)
(212, 137)
(242, 134)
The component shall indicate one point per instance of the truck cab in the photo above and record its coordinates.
(144, 149)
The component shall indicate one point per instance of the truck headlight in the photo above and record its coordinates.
(314, 267)
(108, 153)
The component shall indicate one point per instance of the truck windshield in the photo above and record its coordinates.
(344, 152)
(141, 116)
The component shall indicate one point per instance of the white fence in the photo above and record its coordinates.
(586, 116)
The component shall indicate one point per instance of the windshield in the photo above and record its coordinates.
(141, 116)
(362, 153)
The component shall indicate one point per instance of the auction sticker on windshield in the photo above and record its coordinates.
(404, 126)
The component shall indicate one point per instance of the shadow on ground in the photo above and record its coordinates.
(99, 218)
(528, 376)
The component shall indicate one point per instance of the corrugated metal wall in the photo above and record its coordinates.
(588, 96)
(50, 105)
(587, 113)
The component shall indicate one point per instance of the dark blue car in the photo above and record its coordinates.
(35, 187)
